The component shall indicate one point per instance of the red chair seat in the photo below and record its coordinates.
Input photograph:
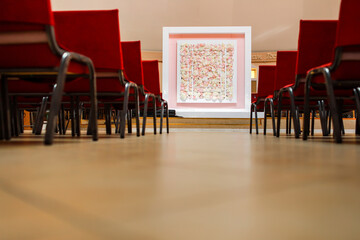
(347, 70)
(21, 86)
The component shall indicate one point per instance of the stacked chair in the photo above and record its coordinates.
(30, 51)
(325, 78)
(75, 60)
(134, 71)
(98, 36)
(340, 75)
(316, 40)
(285, 72)
(265, 89)
(152, 84)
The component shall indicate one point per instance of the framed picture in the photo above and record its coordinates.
(207, 71)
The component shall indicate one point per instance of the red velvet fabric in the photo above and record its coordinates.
(151, 76)
(349, 22)
(285, 68)
(347, 70)
(253, 97)
(25, 15)
(20, 86)
(32, 55)
(102, 85)
(316, 44)
(26, 11)
(266, 80)
(300, 91)
(132, 62)
(95, 34)
(348, 37)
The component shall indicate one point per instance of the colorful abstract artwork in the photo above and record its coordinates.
(206, 71)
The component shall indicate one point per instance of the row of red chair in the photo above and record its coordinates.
(322, 75)
(71, 57)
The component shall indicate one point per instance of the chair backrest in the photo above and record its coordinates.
(23, 40)
(285, 68)
(316, 44)
(37, 12)
(95, 34)
(151, 76)
(267, 75)
(349, 21)
(132, 62)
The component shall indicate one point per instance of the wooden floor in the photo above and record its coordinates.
(187, 185)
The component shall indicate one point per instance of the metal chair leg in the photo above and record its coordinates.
(72, 116)
(279, 114)
(329, 122)
(56, 99)
(117, 122)
(63, 121)
(21, 117)
(78, 118)
(312, 123)
(251, 116)
(5, 108)
(287, 122)
(13, 118)
(294, 113)
(357, 101)
(146, 102)
(265, 116)
(154, 113)
(129, 121)
(256, 120)
(167, 117)
(161, 116)
(137, 114)
(333, 106)
(107, 119)
(39, 122)
(290, 120)
(125, 109)
(272, 111)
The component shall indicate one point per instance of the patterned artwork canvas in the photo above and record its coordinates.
(206, 71)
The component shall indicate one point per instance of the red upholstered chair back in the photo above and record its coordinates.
(253, 97)
(25, 12)
(349, 22)
(266, 80)
(316, 44)
(25, 16)
(95, 34)
(151, 76)
(285, 68)
(132, 62)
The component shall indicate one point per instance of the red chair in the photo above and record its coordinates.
(340, 74)
(97, 34)
(134, 71)
(152, 84)
(316, 41)
(31, 52)
(285, 72)
(265, 88)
